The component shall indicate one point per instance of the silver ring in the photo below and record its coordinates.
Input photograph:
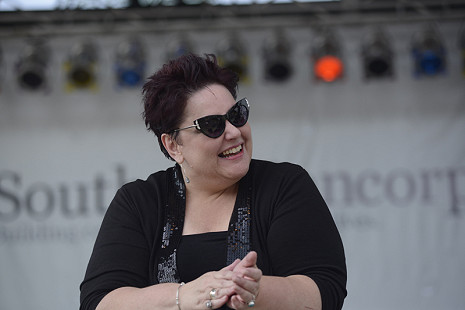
(213, 293)
(252, 302)
(209, 304)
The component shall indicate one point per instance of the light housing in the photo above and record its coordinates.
(130, 63)
(277, 57)
(232, 55)
(429, 54)
(328, 65)
(81, 66)
(1, 66)
(462, 47)
(178, 46)
(31, 67)
(377, 55)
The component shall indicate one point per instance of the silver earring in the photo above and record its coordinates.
(185, 176)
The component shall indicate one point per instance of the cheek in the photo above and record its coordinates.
(247, 133)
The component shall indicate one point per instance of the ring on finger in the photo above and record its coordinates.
(208, 304)
(213, 293)
(252, 302)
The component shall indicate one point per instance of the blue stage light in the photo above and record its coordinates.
(429, 54)
(178, 46)
(130, 63)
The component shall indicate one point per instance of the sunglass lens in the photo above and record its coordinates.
(212, 126)
(239, 115)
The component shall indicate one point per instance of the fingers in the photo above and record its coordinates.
(250, 285)
(252, 273)
(216, 303)
(210, 291)
(237, 302)
(250, 260)
(245, 290)
(232, 265)
(246, 278)
(236, 285)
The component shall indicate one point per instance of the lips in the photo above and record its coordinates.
(231, 152)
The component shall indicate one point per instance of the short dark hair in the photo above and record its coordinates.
(166, 92)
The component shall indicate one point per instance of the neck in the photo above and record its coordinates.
(197, 190)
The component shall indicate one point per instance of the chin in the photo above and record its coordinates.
(240, 170)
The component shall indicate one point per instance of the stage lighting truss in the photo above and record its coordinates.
(276, 57)
(177, 46)
(31, 67)
(232, 55)
(377, 56)
(328, 65)
(429, 54)
(130, 63)
(81, 66)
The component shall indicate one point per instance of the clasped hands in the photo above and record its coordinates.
(236, 285)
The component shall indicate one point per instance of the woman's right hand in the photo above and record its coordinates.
(196, 294)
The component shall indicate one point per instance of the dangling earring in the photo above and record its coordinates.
(185, 175)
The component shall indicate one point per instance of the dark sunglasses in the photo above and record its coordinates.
(213, 126)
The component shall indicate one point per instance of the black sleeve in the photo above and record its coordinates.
(121, 253)
(303, 238)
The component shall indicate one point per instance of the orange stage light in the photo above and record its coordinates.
(328, 68)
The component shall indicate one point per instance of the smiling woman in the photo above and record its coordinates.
(219, 229)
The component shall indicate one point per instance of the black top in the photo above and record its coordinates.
(212, 245)
(292, 232)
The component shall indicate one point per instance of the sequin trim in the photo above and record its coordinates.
(167, 269)
(239, 230)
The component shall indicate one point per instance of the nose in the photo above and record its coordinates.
(231, 132)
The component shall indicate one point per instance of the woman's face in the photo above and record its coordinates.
(211, 161)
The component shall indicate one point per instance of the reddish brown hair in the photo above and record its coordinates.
(166, 92)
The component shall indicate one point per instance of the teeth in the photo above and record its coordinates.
(232, 151)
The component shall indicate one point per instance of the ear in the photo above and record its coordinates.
(173, 148)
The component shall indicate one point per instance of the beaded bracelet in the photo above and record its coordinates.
(177, 295)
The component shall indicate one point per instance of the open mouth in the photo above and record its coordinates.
(231, 152)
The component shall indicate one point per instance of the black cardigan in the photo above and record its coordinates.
(292, 232)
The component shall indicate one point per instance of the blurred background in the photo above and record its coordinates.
(368, 96)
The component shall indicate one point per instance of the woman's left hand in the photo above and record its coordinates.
(246, 276)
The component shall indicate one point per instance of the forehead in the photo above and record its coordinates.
(212, 99)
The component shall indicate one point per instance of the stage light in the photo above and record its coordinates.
(276, 56)
(326, 54)
(1, 66)
(429, 54)
(81, 66)
(232, 55)
(377, 56)
(178, 46)
(462, 48)
(130, 63)
(31, 67)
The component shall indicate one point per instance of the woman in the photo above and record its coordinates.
(218, 230)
